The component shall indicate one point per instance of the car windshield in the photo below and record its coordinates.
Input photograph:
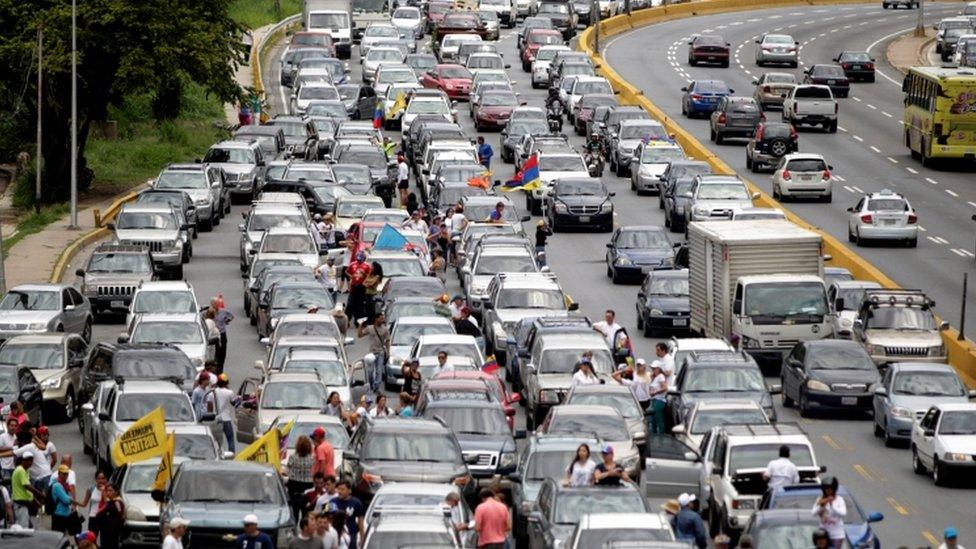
(958, 423)
(643, 239)
(608, 427)
(454, 72)
(401, 267)
(723, 191)
(140, 365)
(428, 107)
(140, 220)
(321, 20)
(293, 395)
(288, 243)
(778, 536)
(709, 41)
(529, 298)
(176, 407)
(230, 486)
(706, 419)
(855, 56)
(580, 187)
(465, 350)
(661, 155)
(835, 357)
(219, 155)
(485, 62)
(757, 456)
(406, 446)
(302, 298)
(44, 356)
(164, 302)
(323, 93)
(167, 332)
(264, 221)
(489, 265)
(646, 132)
(852, 297)
(452, 195)
(548, 464)
(373, 31)
(547, 54)
(928, 384)
(298, 328)
(352, 175)
(406, 13)
(506, 99)
(471, 421)
(723, 379)
(397, 310)
(552, 7)
(777, 39)
(260, 265)
(196, 446)
(670, 286)
(392, 539)
(181, 180)
(595, 86)
(354, 208)
(119, 263)
(335, 433)
(570, 506)
(406, 334)
(780, 78)
(797, 301)
(139, 478)
(530, 127)
(371, 157)
(384, 54)
(621, 402)
(887, 205)
(331, 372)
(900, 318)
(563, 361)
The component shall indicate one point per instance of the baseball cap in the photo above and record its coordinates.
(684, 499)
(950, 533)
(64, 469)
(318, 432)
(457, 298)
(223, 377)
(177, 522)
(607, 449)
(641, 362)
(86, 536)
(657, 364)
(250, 519)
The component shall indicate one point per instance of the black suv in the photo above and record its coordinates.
(405, 450)
(680, 168)
(520, 343)
(580, 202)
(772, 141)
(131, 361)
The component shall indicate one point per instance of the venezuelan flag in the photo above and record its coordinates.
(491, 366)
(527, 178)
(378, 115)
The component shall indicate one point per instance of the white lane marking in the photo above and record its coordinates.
(959, 252)
(921, 228)
(880, 40)
(858, 99)
(858, 138)
(858, 189)
(964, 252)
(932, 181)
(912, 171)
(892, 160)
(952, 193)
(937, 239)
(973, 204)
(872, 107)
(839, 178)
(886, 114)
(749, 72)
(848, 188)
(875, 149)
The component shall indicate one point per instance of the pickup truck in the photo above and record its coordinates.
(812, 105)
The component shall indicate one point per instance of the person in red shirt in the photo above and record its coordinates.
(324, 454)
(492, 521)
(357, 271)
(17, 412)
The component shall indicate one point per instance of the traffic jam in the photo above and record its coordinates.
(415, 216)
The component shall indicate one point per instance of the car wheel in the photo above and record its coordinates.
(850, 234)
(713, 520)
(776, 194)
(878, 430)
(648, 330)
(86, 333)
(833, 126)
(787, 401)
(609, 272)
(614, 277)
(917, 466)
(857, 238)
(719, 138)
(828, 198)
(939, 475)
(888, 440)
(667, 221)
(711, 134)
(913, 242)
(640, 320)
(68, 411)
(178, 273)
(749, 163)
(804, 405)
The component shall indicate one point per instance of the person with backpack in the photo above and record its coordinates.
(109, 519)
(59, 504)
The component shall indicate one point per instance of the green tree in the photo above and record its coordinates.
(125, 47)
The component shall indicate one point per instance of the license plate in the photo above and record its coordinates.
(117, 304)
(680, 322)
(584, 219)
(848, 401)
(831, 82)
(889, 221)
(711, 57)
(856, 67)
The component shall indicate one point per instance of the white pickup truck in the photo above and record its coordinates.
(811, 105)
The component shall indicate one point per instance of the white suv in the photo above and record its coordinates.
(802, 175)
(944, 442)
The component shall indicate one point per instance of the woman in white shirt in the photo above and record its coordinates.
(580, 471)
(585, 375)
(658, 392)
(831, 510)
(640, 384)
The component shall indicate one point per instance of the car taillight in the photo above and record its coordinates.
(866, 218)
(869, 66)
(696, 97)
(786, 175)
(836, 107)
(826, 175)
(767, 89)
(767, 48)
(721, 118)
(912, 219)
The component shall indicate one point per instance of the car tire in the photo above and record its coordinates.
(719, 138)
(614, 277)
(749, 164)
(889, 442)
(858, 241)
(178, 273)
(609, 271)
(206, 225)
(647, 330)
(878, 430)
(832, 128)
(803, 405)
(917, 467)
(640, 320)
(713, 520)
(828, 198)
(850, 235)
(69, 408)
(776, 193)
(787, 401)
(692, 62)
(939, 475)
(711, 134)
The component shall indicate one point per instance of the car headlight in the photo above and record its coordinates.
(902, 412)
(846, 323)
(89, 290)
(499, 330)
(875, 349)
(952, 456)
(134, 513)
(606, 207)
(548, 396)
(750, 343)
(815, 385)
(938, 350)
(177, 244)
(52, 383)
(560, 207)
(623, 260)
(656, 312)
(37, 326)
(507, 459)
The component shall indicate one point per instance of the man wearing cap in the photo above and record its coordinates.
(177, 529)
(951, 539)
(252, 538)
(671, 509)
(688, 524)
(465, 325)
(457, 303)
(781, 471)
(60, 519)
(608, 472)
(324, 454)
(23, 492)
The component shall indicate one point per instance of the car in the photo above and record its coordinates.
(579, 202)
(205, 185)
(535, 39)
(301, 137)
(611, 529)
(41, 308)
(525, 332)
(260, 219)
(560, 508)
(664, 302)
(308, 325)
(828, 374)
(286, 297)
(626, 135)
(716, 196)
(456, 346)
(811, 105)
(844, 298)
(184, 331)
(311, 93)
(790, 527)
(376, 32)
(177, 198)
(162, 297)
(158, 227)
(586, 106)
(830, 75)
(330, 369)
(895, 3)
(801, 497)
(649, 161)
(705, 48)
(835, 274)
(410, 286)
(281, 394)
(18, 383)
(399, 498)
(735, 117)
(55, 362)
(705, 415)
(777, 48)
(770, 88)
(620, 398)
(447, 50)
(214, 495)
(411, 529)
(112, 274)
(635, 250)
(492, 109)
(135, 483)
(674, 170)
(718, 375)
(531, 22)
(478, 272)
(680, 348)
(514, 131)
(408, 20)
(857, 65)
(243, 164)
(943, 442)
(771, 142)
(293, 56)
(404, 331)
(585, 85)
(883, 215)
(907, 391)
(271, 139)
(803, 175)
(950, 41)
(701, 97)
(562, 14)
(677, 197)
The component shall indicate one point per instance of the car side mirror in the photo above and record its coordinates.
(731, 91)
(209, 416)
(349, 455)
(718, 471)
(678, 429)
(944, 325)
(875, 516)
(573, 306)
(881, 391)
(515, 477)
(241, 227)
(684, 89)
(755, 82)
(80, 272)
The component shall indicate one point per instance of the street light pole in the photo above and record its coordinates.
(39, 161)
(74, 116)
(595, 11)
(920, 22)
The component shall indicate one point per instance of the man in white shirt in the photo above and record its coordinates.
(951, 539)
(608, 327)
(781, 471)
(666, 360)
(442, 364)
(8, 440)
(177, 528)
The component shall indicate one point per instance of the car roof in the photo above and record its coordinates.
(164, 286)
(413, 424)
(574, 340)
(956, 406)
(726, 405)
(149, 386)
(170, 317)
(433, 339)
(409, 522)
(423, 320)
(921, 367)
(36, 339)
(702, 343)
(612, 521)
(589, 410)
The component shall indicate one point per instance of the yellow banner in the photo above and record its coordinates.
(165, 471)
(263, 450)
(398, 105)
(144, 440)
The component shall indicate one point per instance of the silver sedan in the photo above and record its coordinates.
(777, 48)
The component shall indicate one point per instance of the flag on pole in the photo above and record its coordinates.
(378, 115)
(399, 104)
(527, 178)
(389, 239)
(165, 472)
(263, 450)
(143, 440)
(491, 366)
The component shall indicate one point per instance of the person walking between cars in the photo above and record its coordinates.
(485, 152)
(222, 317)
(781, 471)
(223, 402)
(300, 464)
(63, 519)
(198, 398)
(667, 361)
(351, 507)
(542, 234)
(306, 538)
(357, 271)
(403, 179)
(177, 529)
(377, 336)
(492, 521)
(688, 524)
(580, 471)
(253, 538)
(109, 518)
(831, 510)
(639, 383)
(659, 392)
(324, 454)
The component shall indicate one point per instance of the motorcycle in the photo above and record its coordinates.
(554, 116)
(594, 163)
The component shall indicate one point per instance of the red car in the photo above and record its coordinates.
(708, 49)
(535, 39)
(436, 12)
(493, 109)
(508, 400)
(454, 80)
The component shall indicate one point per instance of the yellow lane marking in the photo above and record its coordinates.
(930, 538)
(877, 473)
(863, 472)
(831, 442)
(897, 506)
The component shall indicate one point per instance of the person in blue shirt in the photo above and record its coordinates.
(252, 538)
(61, 519)
(352, 507)
(485, 153)
(688, 524)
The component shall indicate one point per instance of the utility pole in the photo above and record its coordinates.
(920, 23)
(3, 270)
(962, 312)
(40, 109)
(73, 224)
(595, 10)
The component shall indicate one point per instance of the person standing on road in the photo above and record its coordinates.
(403, 179)
(951, 539)
(485, 152)
(177, 529)
(306, 538)
(198, 398)
(585, 375)
(252, 538)
(93, 496)
(357, 271)
(61, 518)
(8, 441)
(324, 528)
(40, 469)
(542, 233)
(580, 471)
(109, 518)
(781, 471)
(300, 464)
(667, 361)
(223, 402)
(831, 510)
(688, 524)
(352, 508)
(25, 496)
(222, 317)
(377, 337)
(608, 472)
(659, 393)
(639, 383)
(608, 327)
(492, 521)
(324, 454)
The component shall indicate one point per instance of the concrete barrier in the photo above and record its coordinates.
(962, 352)
(102, 218)
(72, 250)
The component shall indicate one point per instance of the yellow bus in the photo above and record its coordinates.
(940, 113)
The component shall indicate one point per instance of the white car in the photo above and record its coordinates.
(844, 298)
(540, 65)
(374, 33)
(378, 56)
(802, 175)
(390, 75)
(451, 42)
(162, 296)
(312, 91)
(183, 331)
(884, 215)
(506, 10)
(944, 442)
(707, 414)
(585, 85)
(409, 22)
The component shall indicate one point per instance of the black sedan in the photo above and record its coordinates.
(663, 302)
(857, 65)
(828, 75)
(636, 250)
(677, 203)
(580, 202)
(829, 374)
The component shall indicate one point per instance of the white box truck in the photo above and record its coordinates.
(759, 284)
(334, 17)
(365, 12)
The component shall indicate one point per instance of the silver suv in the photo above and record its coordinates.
(113, 273)
(243, 164)
(717, 196)
(205, 185)
(158, 228)
(899, 326)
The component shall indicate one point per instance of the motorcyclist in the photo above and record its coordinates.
(553, 101)
(594, 144)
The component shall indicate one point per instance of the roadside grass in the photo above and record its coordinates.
(34, 223)
(257, 13)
